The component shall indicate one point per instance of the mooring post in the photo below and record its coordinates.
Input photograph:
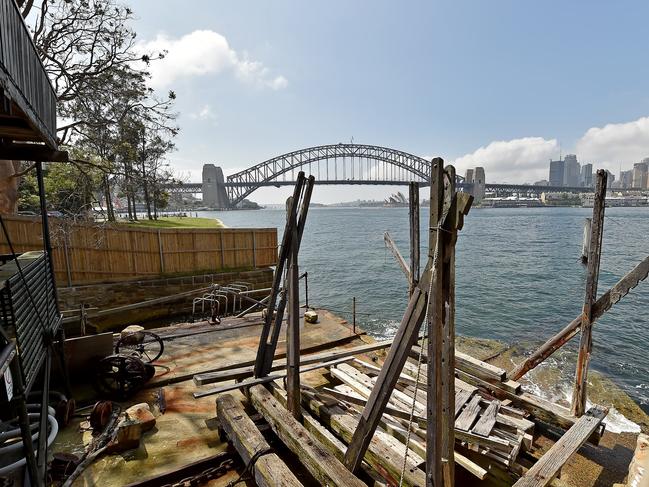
(579, 392)
(293, 329)
(354, 314)
(413, 203)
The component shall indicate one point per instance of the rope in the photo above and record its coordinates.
(246, 473)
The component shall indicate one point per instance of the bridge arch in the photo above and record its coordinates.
(243, 183)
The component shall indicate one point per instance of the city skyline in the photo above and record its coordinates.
(260, 79)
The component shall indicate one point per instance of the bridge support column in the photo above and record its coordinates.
(214, 193)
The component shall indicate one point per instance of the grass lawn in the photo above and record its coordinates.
(177, 222)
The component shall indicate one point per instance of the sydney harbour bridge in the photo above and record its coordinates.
(341, 164)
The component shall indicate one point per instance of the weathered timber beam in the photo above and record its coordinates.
(269, 470)
(544, 470)
(545, 411)
(264, 380)
(601, 306)
(397, 255)
(319, 461)
(321, 433)
(469, 364)
(264, 350)
(415, 251)
(248, 371)
(380, 453)
(579, 392)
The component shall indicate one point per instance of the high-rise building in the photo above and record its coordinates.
(640, 170)
(610, 179)
(586, 178)
(626, 179)
(556, 173)
(571, 171)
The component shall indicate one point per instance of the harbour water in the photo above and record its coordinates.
(519, 279)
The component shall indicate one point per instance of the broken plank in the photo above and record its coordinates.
(543, 471)
(263, 380)
(461, 398)
(247, 368)
(468, 415)
(487, 420)
(318, 460)
(379, 455)
(268, 470)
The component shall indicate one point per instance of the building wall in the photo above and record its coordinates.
(556, 173)
(640, 171)
(571, 171)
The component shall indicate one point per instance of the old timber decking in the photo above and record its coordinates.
(498, 436)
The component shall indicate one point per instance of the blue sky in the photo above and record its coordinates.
(502, 84)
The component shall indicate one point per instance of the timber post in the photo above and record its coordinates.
(413, 205)
(586, 241)
(594, 255)
(403, 341)
(293, 329)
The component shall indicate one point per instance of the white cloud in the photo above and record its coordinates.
(204, 52)
(512, 161)
(204, 113)
(615, 144)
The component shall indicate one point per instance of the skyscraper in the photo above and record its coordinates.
(586, 178)
(571, 171)
(556, 173)
(626, 178)
(640, 174)
(610, 179)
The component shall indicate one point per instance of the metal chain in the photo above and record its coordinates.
(205, 476)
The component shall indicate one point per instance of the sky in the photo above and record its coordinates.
(505, 84)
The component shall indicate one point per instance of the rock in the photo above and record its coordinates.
(131, 334)
(311, 316)
(141, 413)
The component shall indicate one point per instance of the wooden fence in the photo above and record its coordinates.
(90, 253)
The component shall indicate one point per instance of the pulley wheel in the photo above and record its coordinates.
(145, 345)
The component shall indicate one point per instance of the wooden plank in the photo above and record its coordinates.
(247, 368)
(322, 434)
(293, 331)
(268, 470)
(543, 471)
(468, 415)
(487, 420)
(389, 243)
(397, 355)
(413, 214)
(579, 392)
(461, 398)
(603, 304)
(362, 385)
(264, 380)
(265, 353)
(379, 454)
(319, 461)
(470, 364)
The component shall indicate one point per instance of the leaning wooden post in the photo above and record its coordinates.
(413, 202)
(594, 255)
(293, 330)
